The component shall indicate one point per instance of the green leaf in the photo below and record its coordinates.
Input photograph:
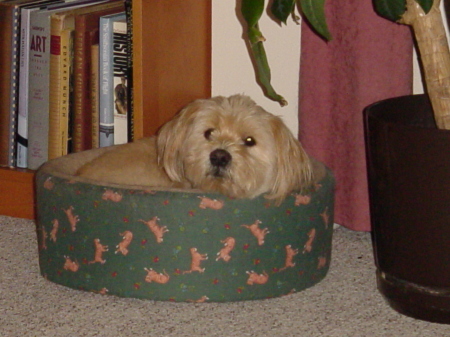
(263, 73)
(426, 5)
(281, 9)
(394, 9)
(251, 11)
(314, 11)
(390, 9)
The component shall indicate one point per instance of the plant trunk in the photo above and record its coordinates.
(434, 52)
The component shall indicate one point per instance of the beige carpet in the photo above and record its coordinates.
(346, 303)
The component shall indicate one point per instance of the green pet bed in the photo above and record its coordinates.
(178, 245)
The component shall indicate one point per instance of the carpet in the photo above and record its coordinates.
(346, 303)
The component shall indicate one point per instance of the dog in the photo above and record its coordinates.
(228, 145)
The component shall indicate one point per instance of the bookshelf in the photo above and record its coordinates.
(171, 67)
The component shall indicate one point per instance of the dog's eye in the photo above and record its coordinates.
(208, 133)
(249, 141)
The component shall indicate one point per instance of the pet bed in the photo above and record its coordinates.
(178, 245)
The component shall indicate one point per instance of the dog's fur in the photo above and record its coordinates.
(257, 153)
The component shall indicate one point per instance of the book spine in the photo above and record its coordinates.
(79, 80)
(22, 120)
(38, 100)
(66, 46)
(6, 26)
(14, 85)
(95, 95)
(54, 132)
(120, 69)
(129, 19)
(59, 88)
(106, 84)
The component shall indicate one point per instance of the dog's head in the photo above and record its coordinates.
(233, 146)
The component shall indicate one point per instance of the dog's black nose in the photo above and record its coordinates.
(220, 158)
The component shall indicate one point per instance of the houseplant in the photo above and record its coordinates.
(408, 158)
(424, 16)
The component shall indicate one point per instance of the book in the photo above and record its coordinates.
(95, 99)
(130, 110)
(107, 79)
(61, 47)
(120, 72)
(38, 99)
(22, 114)
(9, 78)
(60, 69)
(86, 35)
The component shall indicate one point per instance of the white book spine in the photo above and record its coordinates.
(22, 123)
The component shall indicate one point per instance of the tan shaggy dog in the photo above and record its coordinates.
(228, 145)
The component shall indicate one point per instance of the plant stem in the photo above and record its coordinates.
(434, 53)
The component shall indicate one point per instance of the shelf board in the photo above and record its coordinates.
(17, 193)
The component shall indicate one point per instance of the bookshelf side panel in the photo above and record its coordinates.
(172, 58)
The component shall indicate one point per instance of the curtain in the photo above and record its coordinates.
(369, 59)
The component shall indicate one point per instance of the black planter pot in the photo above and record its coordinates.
(408, 161)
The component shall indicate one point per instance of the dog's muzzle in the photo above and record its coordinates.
(219, 159)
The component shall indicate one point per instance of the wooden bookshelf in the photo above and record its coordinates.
(172, 63)
(17, 193)
(172, 66)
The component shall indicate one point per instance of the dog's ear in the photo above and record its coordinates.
(171, 137)
(293, 166)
